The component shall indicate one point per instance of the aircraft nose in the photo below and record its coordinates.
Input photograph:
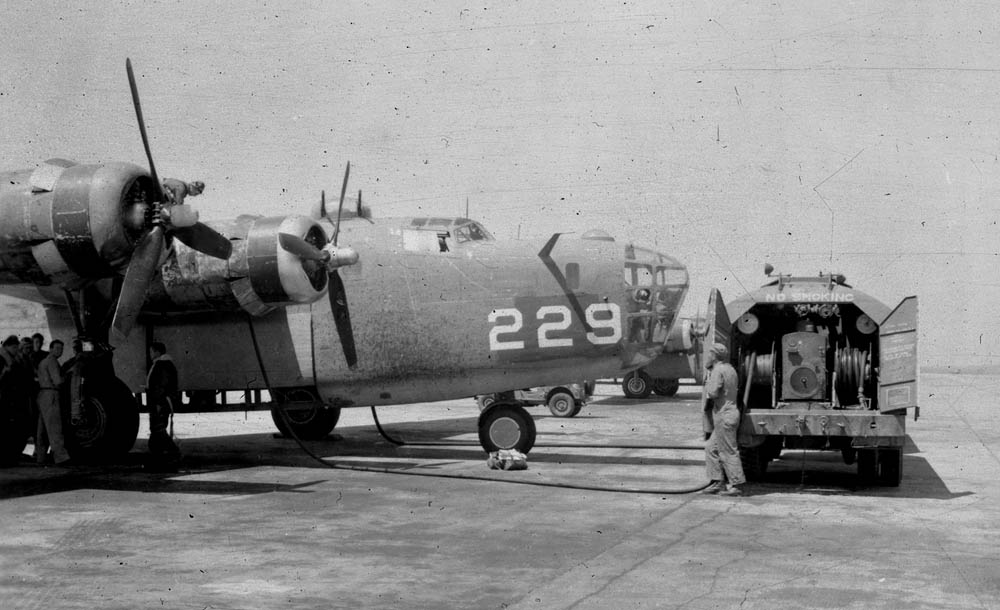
(655, 286)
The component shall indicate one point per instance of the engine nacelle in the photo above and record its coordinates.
(64, 223)
(259, 275)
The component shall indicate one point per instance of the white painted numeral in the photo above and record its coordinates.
(612, 323)
(562, 324)
(503, 329)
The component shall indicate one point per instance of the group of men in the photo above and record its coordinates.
(33, 383)
(31, 379)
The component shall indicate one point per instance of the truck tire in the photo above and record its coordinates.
(562, 404)
(890, 466)
(666, 387)
(867, 466)
(754, 461)
(637, 385)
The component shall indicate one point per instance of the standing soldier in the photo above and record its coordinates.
(161, 388)
(50, 430)
(38, 353)
(14, 417)
(722, 453)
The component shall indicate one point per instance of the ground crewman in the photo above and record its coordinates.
(722, 453)
(50, 431)
(161, 388)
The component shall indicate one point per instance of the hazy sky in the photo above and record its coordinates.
(858, 138)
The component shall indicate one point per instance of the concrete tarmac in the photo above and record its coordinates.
(251, 521)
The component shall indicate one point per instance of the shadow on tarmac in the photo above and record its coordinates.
(361, 447)
(825, 473)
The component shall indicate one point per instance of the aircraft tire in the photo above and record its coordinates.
(666, 387)
(110, 423)
(562, 404)
(506, 426)
(313, 423)
(637, 385)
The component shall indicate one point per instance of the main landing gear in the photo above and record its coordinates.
(305, 416)
(506, 425)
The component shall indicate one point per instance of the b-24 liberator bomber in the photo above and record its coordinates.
(412, 310)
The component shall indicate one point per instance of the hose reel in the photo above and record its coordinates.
(852, 371)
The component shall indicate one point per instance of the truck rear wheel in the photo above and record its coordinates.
(562, 404)
(754, 461)
(890, 466)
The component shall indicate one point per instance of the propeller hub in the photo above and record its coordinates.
(180, 216)
(340, 256)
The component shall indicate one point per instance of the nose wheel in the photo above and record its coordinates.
(506, 426)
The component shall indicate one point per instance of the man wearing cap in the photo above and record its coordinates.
(178, 190)
(50, 431)
(722, 453)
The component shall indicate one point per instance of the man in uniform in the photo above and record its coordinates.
(161, 388)
(50, 430)
(72, 372)
(178, 190)
(15, 424)
(722, 453)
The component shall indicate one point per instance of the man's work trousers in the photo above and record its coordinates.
(50, 430)
(722, 453)
(159, 438)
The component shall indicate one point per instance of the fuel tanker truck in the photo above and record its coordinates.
(822, 366)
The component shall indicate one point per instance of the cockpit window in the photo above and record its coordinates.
(639, 274)
(667, 276)
(472, 231)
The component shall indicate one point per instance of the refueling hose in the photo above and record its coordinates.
(334, 465)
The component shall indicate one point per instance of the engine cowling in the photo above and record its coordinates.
(258, 277)
(64, 223)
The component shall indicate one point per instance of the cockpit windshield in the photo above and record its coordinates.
(472, 231)
(443, 234)
(655, 285)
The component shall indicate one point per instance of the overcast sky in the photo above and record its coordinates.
(859, 138)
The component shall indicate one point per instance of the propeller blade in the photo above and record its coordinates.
(204, 239)
(157, 187)
(322, 204)
(140, 272)
(301, 248)
(340, 208)
(342, 318)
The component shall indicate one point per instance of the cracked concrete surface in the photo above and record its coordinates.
(252, 522)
